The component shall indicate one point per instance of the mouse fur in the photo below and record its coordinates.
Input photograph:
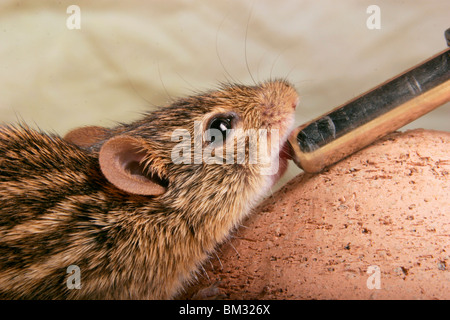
(58, 208)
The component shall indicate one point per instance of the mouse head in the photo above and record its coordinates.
(210, 138)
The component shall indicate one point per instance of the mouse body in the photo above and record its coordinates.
(114, 203)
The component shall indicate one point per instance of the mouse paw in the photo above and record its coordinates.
(211, 292)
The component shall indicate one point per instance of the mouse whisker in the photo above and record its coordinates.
(245, 46)
(204, 271)
(228, 74)
(220, 262)
(234, 248)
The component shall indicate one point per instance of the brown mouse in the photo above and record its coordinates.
(113, 203)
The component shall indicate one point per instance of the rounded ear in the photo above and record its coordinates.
(120, 161)
(85, 137)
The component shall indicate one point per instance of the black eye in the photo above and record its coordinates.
(220, 125)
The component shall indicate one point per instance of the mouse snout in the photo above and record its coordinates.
(295, 103)
(278, 102)
(292, 98)
(280, 95)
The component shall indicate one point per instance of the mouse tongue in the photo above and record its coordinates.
(286, 151)
(285, 154)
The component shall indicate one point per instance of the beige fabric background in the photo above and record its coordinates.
(131, 55)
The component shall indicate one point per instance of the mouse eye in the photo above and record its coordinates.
(220, 125)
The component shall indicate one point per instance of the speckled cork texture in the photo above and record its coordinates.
(374, 226)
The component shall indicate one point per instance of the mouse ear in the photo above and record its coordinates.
(85, 137)
(121, 163)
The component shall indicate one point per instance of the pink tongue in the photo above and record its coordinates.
(286, 151)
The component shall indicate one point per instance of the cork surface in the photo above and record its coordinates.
(374, 226)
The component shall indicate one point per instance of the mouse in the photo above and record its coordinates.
(134, 208)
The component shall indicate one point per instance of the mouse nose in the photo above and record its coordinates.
(295, 103)
(279, 94)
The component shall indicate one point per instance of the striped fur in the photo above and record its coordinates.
(57, 209)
